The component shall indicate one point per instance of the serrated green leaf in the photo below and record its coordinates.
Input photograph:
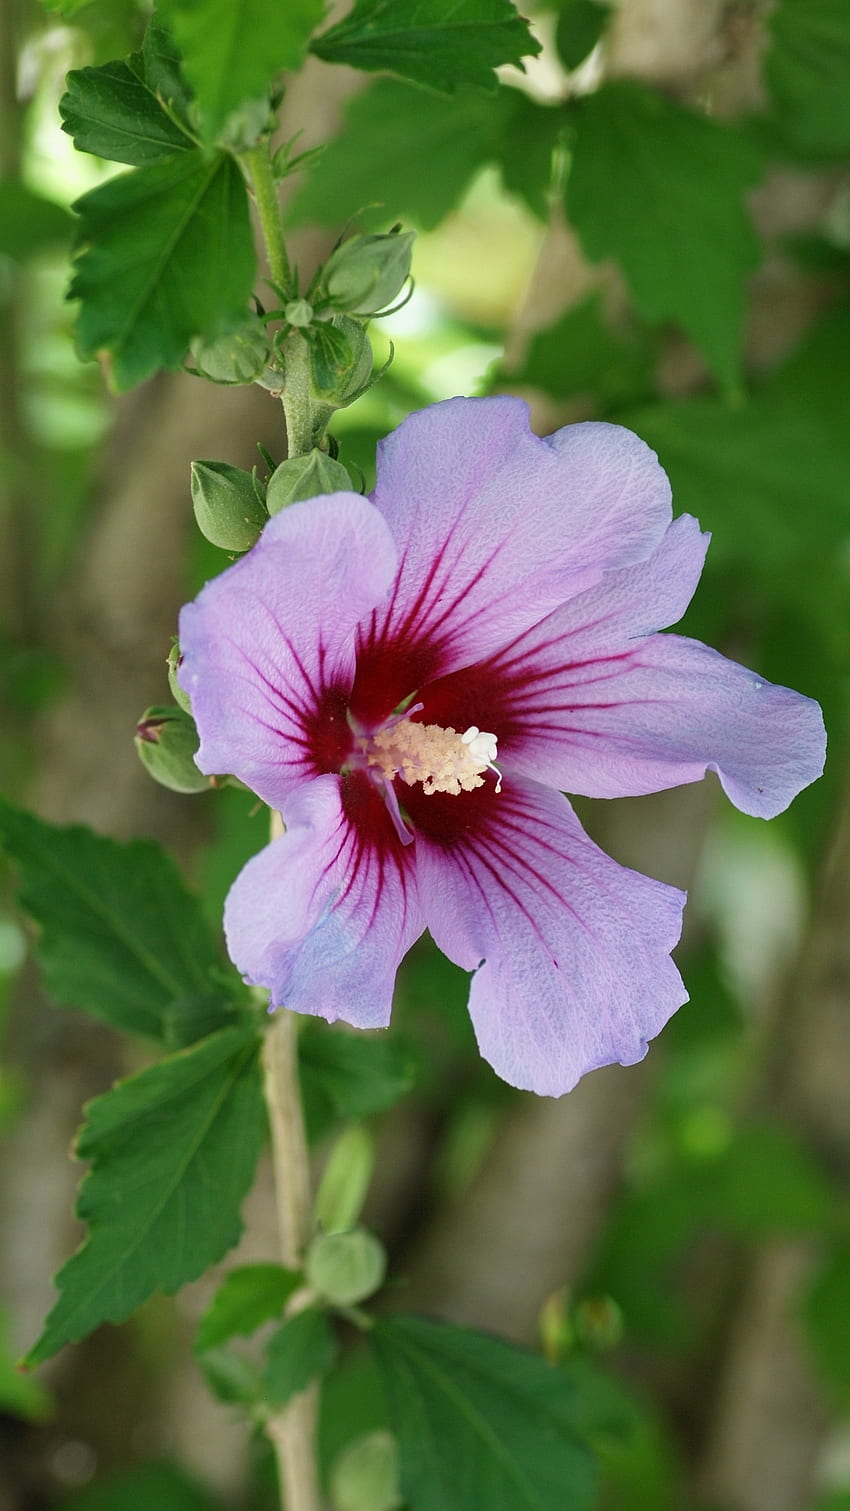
(28, 221)
(173, 1153)
(246, 1298)
(579, 354)
(161, 69)
(120, 935)
(411, 152)
(167, 256)
(302, 1348)
(231, 53)
(439, 43)
(480, 1422)
(113, 112)
(20, 1396)
(661, 189)
(580, 26)
(233, 1379)
(816, 377)
(807, 68)
(526, 140)
(769, 479)
(346, 1076)
(198, 1014)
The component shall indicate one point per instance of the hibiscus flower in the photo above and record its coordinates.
(414, 681)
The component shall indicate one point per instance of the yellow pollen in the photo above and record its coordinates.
(441, 759)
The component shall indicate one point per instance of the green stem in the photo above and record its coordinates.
(293, 1430)
(258, 163)
(297, 403)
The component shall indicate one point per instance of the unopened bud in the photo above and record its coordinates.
(344, 1268)
(299, 312)
(364, 1476)
(341, 359)
(239, 357)
(227, 505)
(305, 477)
(180, 697)
(345, 1180)
(167, 740)
(366, 273)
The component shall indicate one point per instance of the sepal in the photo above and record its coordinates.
(180, 696)
(340, 360)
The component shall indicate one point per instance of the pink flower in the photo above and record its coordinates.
(413, 680)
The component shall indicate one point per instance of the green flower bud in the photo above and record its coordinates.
(299, 312)
(227, 505)
(341, 360)
(177, 693)
(364, 1476)
(305, 477)
(239, 357)
(344, 1268)
(366, 273)
(167, 740)
(345, 1181)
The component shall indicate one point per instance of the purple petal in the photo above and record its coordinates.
(320, 917)
(496, 527)
(269, 646)
(572, 950)
(586, 703)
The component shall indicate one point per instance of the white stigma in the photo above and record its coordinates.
(441, 759)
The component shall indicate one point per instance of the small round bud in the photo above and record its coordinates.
(345, 1180)
(344, 1268)
(305, 477)
(239, 357)
(167, 740)
(298, 312)
(180, 697)
(364, 1476)
(366, 273)
(227, 505)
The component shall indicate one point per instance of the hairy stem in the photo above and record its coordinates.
(258, 164)
(297, 404)
(292, 1430)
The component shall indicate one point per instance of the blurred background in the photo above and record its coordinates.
(679, 1231)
